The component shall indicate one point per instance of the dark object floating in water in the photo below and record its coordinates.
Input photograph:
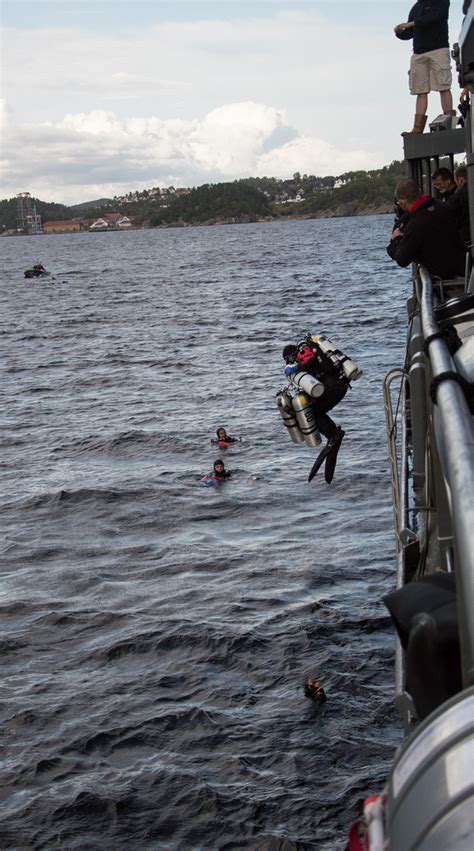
(314, 690)
(37, 273)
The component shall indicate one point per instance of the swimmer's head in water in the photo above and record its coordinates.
(219, 468)
(289, 353)
(221, 433)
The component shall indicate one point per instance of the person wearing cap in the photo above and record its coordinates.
(218, 474)
(309, 357)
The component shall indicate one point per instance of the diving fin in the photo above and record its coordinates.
(331, 458)
(319, 461)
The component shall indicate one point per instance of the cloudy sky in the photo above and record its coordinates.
(102, 98)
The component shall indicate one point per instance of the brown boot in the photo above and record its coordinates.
(418, 126)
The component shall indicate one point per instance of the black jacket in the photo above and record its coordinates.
(445, 197)
(431, 25)
(459, 203)
(430, 237)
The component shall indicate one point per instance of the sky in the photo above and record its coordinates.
(99, 99)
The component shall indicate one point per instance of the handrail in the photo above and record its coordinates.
(457, 438)
(392, 446)
(399, 483)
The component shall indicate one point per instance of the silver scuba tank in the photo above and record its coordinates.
(308, 383)
(350, 369)
(305, 419)
(288, 416)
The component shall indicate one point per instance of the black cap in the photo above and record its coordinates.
(289, 353)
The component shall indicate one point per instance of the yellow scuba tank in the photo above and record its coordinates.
(305, 419)
(284, 401)
(350, 369)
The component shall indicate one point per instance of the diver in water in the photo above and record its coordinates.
(224, 439)
(38, 268)
(309, 357)
(219, 474)
(314, 690)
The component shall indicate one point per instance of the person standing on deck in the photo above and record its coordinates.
(430, 66)
(460, 204)
(443, 182)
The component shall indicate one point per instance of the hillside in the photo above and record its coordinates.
(302, 196)
(220, 202)
(88, 205)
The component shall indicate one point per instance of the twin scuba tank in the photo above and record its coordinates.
(297, 415)
(295, 409)
(350, 369)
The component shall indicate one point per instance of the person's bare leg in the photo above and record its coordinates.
(446, 101)
(422, 103)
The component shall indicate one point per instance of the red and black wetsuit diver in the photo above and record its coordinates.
(218, 474)
(309, 357)
(224, 439)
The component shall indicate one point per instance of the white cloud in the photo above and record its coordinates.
(194, 101)
(94, 154)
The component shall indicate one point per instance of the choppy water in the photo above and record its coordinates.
(155, 634)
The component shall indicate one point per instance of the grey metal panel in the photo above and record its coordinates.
(444, 785)
(464, 360)
(439, 144)
(457, 437)
(455, 832)
(433, 778)
(466, 42)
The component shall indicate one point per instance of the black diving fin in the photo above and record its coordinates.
(319, 461)
(331, 458)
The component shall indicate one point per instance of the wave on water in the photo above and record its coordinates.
(156, 635)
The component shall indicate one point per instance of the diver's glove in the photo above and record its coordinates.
(290, 370)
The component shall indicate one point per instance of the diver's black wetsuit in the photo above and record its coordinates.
(335, 389)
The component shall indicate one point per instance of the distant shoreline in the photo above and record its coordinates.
(339, 213)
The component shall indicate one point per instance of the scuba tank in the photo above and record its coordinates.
(306, 382)
(305, 419)
(350, 369)
(284, 406)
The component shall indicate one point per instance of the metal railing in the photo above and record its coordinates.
(398, 455)
(456, 444)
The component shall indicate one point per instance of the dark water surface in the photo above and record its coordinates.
(156, 634)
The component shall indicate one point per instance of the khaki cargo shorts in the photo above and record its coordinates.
(430, 72)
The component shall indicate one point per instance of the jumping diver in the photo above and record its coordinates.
(309, 357)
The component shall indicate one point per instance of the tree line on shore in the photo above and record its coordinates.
(248, 199)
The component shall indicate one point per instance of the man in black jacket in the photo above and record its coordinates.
(429, 234)
(430, 67)
(460, 204)
(443, 182)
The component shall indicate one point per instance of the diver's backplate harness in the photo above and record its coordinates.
(295, 400)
